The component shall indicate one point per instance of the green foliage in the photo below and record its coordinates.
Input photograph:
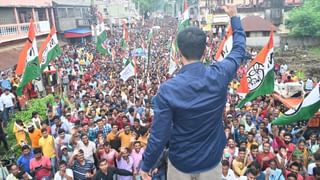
(39, 105)
(315, 51)
(149, 5)
(304, 21)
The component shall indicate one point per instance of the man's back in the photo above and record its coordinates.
(197, 96)
(188, 108)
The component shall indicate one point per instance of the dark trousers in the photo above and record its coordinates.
(4, 141)
(6, 115)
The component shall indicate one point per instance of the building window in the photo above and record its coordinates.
(248, 34)
(77, 12)
(62, 12)
(41, 14)
(85, 12)
(24, 14)
(266, 33)
(71, 12)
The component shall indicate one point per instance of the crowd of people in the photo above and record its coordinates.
(99, 130)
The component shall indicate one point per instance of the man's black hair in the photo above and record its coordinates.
(37, 150)
(252, 171)
(295, 164)
(242, 149)
(316, 171)
(60, 131)
(254, 146)
(62, 162)
(44, 130)
(98, 120)
(317, 155)
(25, 147)
(192, 43)
(225, 163)
(101, 161)
(292, 175)
(131, 110)
(288, 134)
(255, 165)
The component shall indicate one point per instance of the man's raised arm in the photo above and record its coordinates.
(229, 65)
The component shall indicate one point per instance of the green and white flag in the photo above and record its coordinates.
(304, 111)
(28, 64)
(185, 22)
(150, 35)
(172, 60)
(49, 49)
(102, 41)
(128, 71)
(260, 75)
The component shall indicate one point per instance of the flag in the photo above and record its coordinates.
(125, 36)
(260, 74)
(304, 111)
(150, 35)
(28, 64)
(128, 71)
(102, 43)
(49, 49)
(225, 45)
(208, 58)
(172, 59)
(113, 54)
(243, 88)
(185, 22)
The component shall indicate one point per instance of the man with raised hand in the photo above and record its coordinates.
(188, 108)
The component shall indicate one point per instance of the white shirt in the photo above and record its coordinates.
(7, 100)
(88, 150)
(68, 172)
(310, 168)
(229, 176)
(1, 105)
(38, 84)
(309, 84)
(243, 178)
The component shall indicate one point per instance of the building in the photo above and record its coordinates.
(240, 2)
(121, 9)
(258, 31)
(102, 7)
(14, 26)
(73, 19)
(15, 17)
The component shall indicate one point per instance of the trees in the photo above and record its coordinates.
(148, 5)
(304, 21)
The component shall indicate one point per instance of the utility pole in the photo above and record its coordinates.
(94, 21)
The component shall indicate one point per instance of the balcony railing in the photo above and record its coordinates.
(83, 22)
(11, 32)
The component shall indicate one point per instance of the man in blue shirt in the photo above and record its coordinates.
(188, 109)
(24, 160)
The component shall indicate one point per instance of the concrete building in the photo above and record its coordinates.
(73, 18)
(15, 17)
(121, 9)
(102, 7)
(14, 26)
